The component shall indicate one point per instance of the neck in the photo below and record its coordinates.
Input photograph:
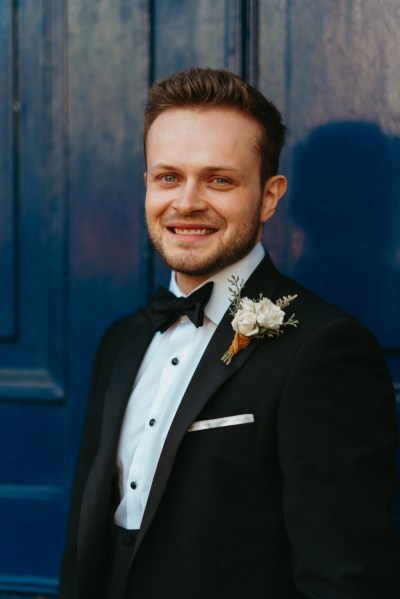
(187, 283)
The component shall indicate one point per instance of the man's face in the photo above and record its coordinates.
(204, 202)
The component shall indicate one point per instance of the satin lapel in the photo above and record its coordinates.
(210, 374)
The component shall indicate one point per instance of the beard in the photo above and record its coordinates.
(193, 263)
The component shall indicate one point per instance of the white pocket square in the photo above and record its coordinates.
(218, 422)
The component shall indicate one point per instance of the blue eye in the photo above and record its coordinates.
(221, 181)
(169, 178)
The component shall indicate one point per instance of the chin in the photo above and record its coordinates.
(206, 260)
(191, 267)
(195, 267)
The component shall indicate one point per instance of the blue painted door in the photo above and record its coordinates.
(33, 347)
(74, 253)
(72, 249)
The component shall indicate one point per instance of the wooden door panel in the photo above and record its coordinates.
(32, 323)
(7, 221)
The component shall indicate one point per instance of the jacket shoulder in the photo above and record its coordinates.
(123, 328)
(314, 310)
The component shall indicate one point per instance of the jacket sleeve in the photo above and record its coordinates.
(337, 442)
(89, 442)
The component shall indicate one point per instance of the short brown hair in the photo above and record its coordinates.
(214, 88)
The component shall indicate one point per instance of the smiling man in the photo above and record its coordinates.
(266, 474)
(205, 201)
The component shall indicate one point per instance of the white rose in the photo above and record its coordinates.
(245, 323)
(268, 314)
(247, 304)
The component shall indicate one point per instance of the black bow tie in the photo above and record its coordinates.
(165, 308)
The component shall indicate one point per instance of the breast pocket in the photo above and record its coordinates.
(221, 430)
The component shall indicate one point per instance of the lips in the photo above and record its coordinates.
(190, 229)
(200, 232)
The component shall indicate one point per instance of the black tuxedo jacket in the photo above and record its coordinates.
(294, 504)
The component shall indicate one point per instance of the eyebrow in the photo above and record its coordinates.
(231, 169)
(210, 169)
(161, 165)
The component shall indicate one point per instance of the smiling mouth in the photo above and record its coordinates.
(199, 232)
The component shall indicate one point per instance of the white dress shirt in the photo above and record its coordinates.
(163, 377)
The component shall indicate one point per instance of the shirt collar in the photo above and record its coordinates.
(221, 296)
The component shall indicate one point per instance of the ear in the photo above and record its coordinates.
(274, 190)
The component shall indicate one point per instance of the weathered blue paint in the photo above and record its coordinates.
(74, 253)
(32, 330)
(7, 171)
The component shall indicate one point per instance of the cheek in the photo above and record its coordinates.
(152, 206)
(157, 202)
(147, 208)
(151, 215)
(238, 211)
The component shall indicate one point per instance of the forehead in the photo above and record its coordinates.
(203, 130)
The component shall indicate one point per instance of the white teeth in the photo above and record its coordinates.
(193, 231)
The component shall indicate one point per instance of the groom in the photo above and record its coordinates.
(269, 474)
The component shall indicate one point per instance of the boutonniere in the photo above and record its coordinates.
(255, 319)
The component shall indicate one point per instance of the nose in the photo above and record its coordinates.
(189, 199)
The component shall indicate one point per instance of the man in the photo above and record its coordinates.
(269, 474)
